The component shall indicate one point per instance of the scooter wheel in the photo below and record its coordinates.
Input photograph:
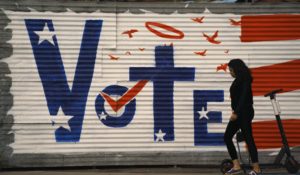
(291, 165)
(226, 165)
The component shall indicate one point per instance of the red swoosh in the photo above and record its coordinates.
(266, 133)
(284, 76)
(126, 98)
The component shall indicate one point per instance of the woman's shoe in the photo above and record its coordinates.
(234, 172)
(254, 173)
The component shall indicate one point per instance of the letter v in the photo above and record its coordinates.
(52, 73)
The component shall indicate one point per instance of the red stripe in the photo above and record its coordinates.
(284, 76)
(270, 27)
(266, 133)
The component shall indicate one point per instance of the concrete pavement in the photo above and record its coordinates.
(134, 171)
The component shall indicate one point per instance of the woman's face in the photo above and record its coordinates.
(231, 72)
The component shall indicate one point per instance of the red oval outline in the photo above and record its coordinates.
(179, 34)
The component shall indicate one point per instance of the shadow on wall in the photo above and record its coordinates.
(6, 121)
(6, 98)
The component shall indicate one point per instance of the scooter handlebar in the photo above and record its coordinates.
(273, 92)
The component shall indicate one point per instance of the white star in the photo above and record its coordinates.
(203, 114)
(45, 34)
(160, 136)
(102, 116)
(61, 119)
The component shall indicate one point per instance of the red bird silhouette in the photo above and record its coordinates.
(171, 44)
(198, 20)
(130, 32)
(235, 23)
(222, 67)
(203, 53)
(212, 39)
(128, 53)
(113, 57)
(141, 49)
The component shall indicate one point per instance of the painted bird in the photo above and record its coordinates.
(202, 53)
(112, 57)
(130, 32)
(141, 49)
(198, 20)
(212, 39)
(222, 67)
(171, 44)
(235, 23)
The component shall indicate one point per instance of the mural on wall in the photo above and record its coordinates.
(284, 75)
(166, 75)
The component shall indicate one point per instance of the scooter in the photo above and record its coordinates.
(290, 164)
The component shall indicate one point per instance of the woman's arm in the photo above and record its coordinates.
(243, 96)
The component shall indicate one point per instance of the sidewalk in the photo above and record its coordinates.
(136, 171)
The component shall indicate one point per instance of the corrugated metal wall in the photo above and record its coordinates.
(86, 84)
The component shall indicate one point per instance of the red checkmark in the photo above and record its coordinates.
(126, 98)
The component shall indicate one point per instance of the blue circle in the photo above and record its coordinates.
(125, 118)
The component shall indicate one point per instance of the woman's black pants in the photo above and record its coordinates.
(244, 123)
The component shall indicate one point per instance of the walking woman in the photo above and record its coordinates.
(242, 115)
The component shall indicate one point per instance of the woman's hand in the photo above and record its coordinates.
(233, 116)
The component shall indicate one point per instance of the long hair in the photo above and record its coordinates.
(242, 72)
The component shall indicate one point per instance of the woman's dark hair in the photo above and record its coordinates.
(240, 69)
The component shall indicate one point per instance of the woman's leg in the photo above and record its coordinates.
(246, 127)
(247, 133)
(230, 131)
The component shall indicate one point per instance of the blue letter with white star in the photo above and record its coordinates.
(163, 77)
(202, 117)
(52, 73)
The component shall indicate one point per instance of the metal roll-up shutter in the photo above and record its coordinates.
(141, 83)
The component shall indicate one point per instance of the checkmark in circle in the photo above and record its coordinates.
(116, 105)
(105, 113)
